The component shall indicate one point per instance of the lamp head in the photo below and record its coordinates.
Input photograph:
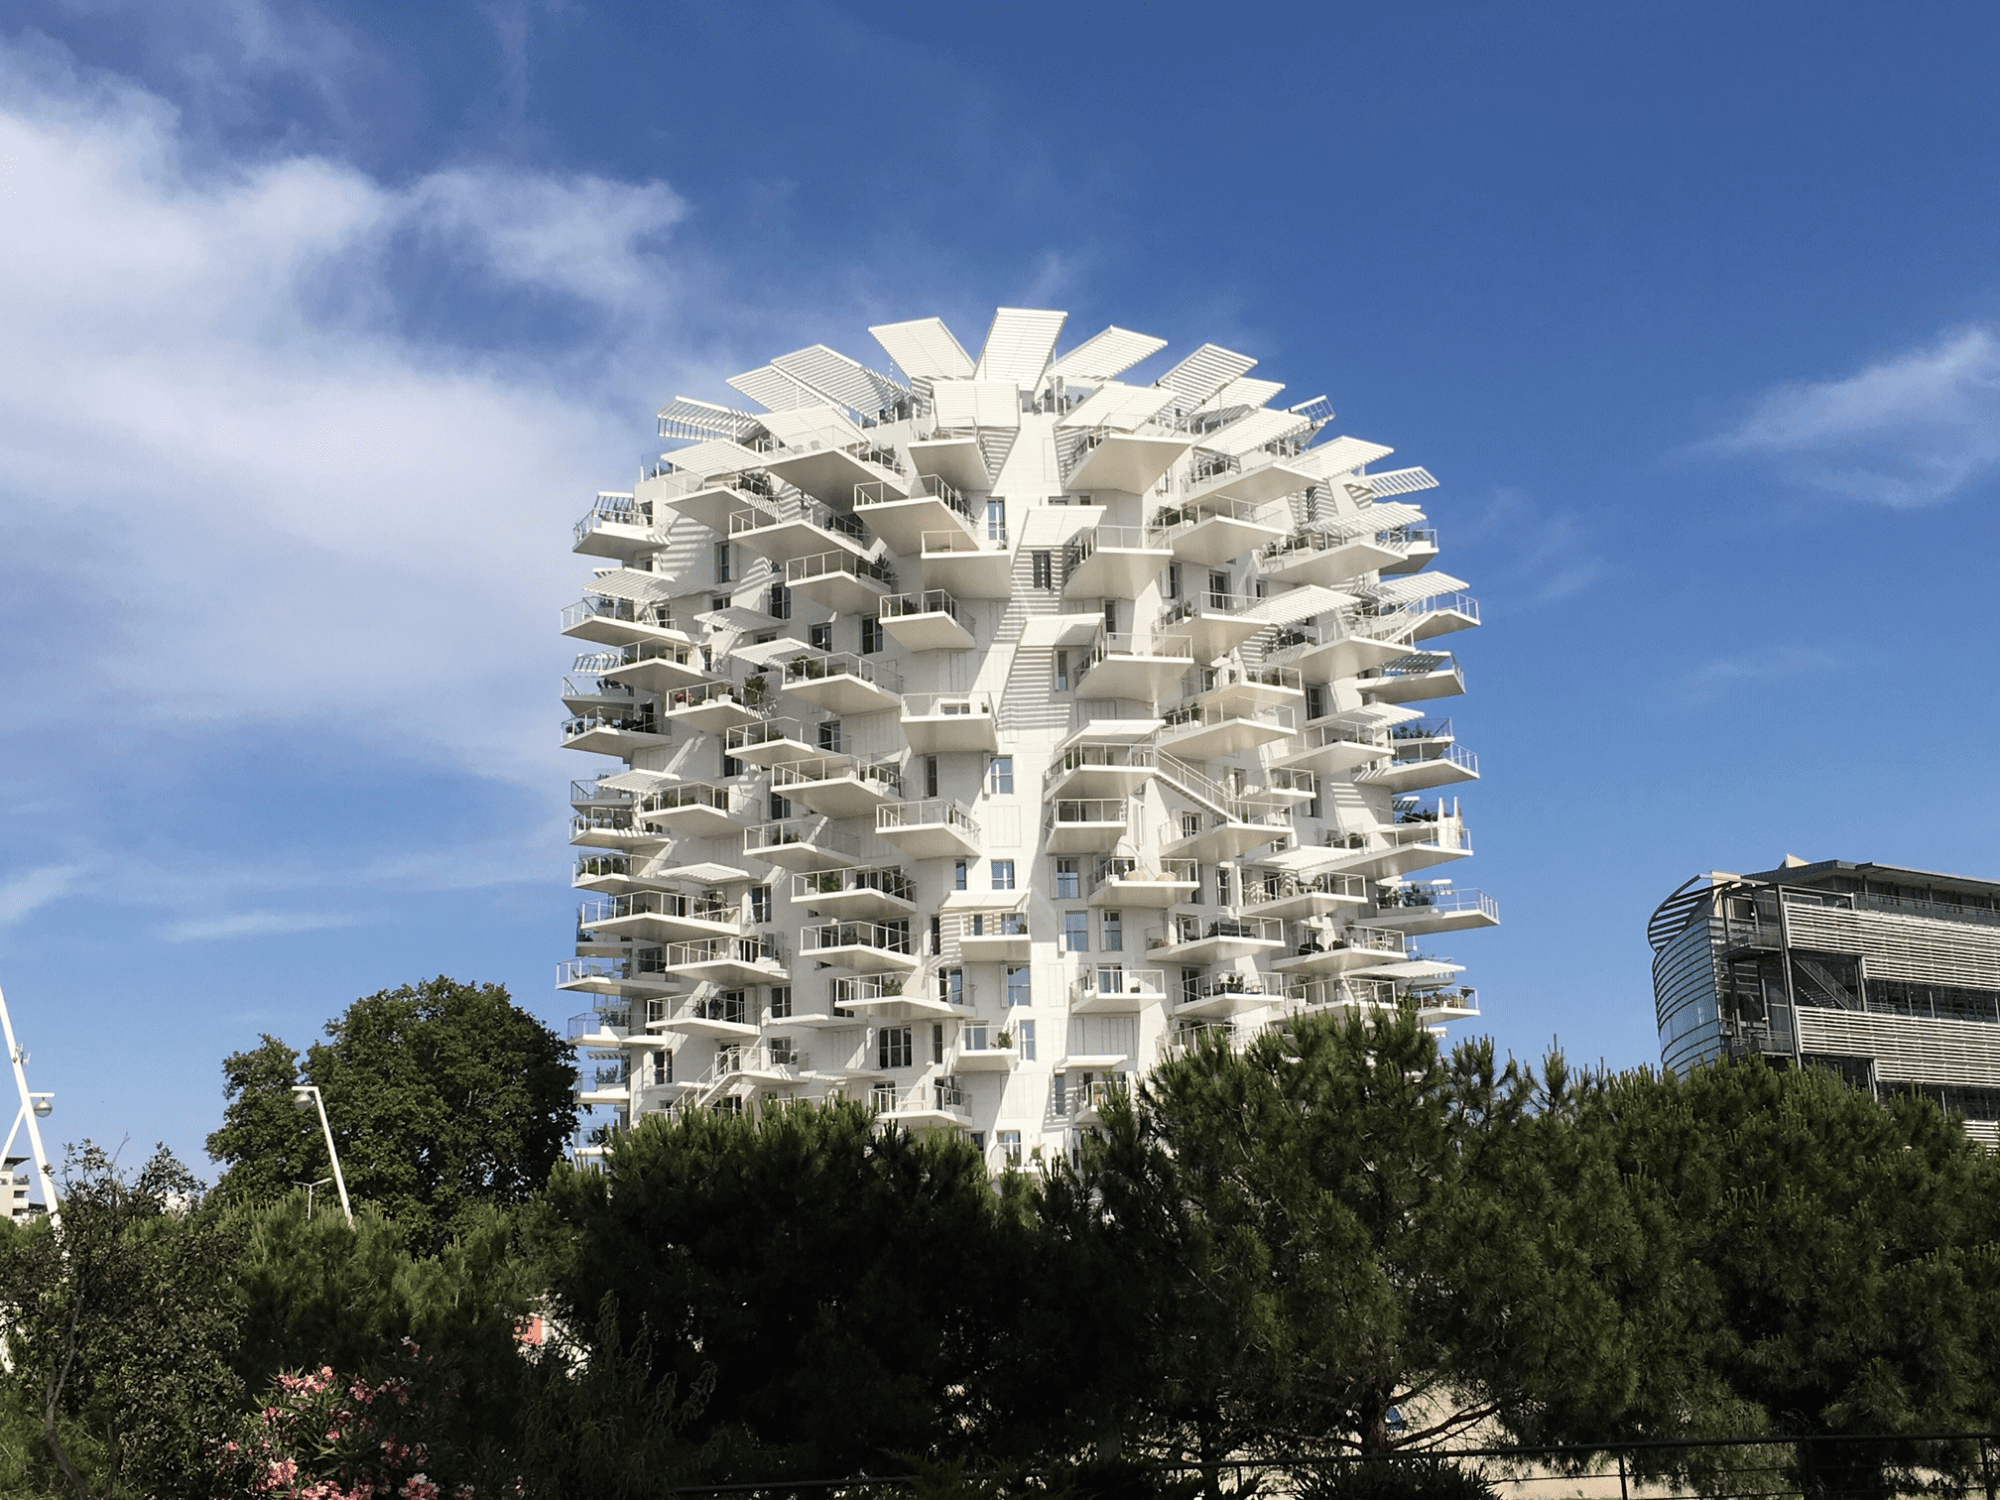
(42, 1104)
(302, 1095)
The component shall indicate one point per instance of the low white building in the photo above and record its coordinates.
(977, 733)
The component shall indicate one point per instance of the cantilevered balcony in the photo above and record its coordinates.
(1201, 731)
(930, 620)
(1289, 786)
(612, 621)
(1415, 839)
(1234, 685)
(877, 893)
(956, 456)
(994, 934)
(1092, 767)
(712, 708)
(1308, 994)
(1087, 825)
(984, 1047)
(1291, 897)
(1313, 948)
(644, 974)
(875, 946)
(611, 828)
(658, 666)
(1257, 479)
(693, 809)
(841, 581)
(606, 873)
(832, 473)
(1142, 668)
(1413, 678)
(1328, 552)
(941, 723)
(1417, 544)
(929, 829)
(839, 786)
(666, 916)
(1452, 1003)
(971, 567)
(585, 692)
(1112, 562)
(927, 1105)
(758, 959)
(1123, 882)
(1433, 615)
(1209, 528)
(1115, 989)
(1132, 462)
(1332, 651)
(1422, 763)
(1335, 747)
(1436, 906)
(767, 742)
(843, 683)
(1215, 621)
(711, 499)
(897, 995)
(1189, 940)
(799, 528)
(1228, 993)
(611, 733)
(720, 1016)
(901, 519)
(801, 844)
(1212, 836)
(616, 526)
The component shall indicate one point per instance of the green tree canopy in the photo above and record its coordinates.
(442, 1097)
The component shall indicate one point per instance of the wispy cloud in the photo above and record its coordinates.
(23, 893)
(1719, 676)
(1532, 555)
(252, 924)
(1912, 430)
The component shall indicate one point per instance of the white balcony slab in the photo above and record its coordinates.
(1128, 461)
(956, 459)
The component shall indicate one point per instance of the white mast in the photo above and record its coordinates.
(33, 1107)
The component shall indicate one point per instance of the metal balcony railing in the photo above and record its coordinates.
(1090, 810)
(704, 694)
(1111, 643)
(1188, 929)
(1340, 990)
(852, 989)
(1430, 752)
(946, 705)
(1107, 754)
(708, 906)
(611, 509)
(602, 820)
(928, 602)
(581, 724)
(584, 794)
(884, 879)
(688, 794)
(814, 770)
(924, 486)
(825, 564)
(930, 810)
(820, 666)
(1125, 868)
(767, 732)
(600, 866)
(1387, 941)
(816, 832)
(951, 543)
(760, 948)
(1442, 899)
(888, 937)
(992, 923)
(1116, 979)
(1231, 984)
(1086, 544)
(656, 613)
(794, 507)
(1188, 717)
(1281, 886)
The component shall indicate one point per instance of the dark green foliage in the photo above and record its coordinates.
(443, 1097)
(1405, 1477)
(120, 1333)
(846, 1284)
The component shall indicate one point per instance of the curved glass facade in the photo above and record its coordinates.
(1684, 998)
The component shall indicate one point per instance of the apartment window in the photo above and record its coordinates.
(1312, 804)
(1002, 871)
(1000, 774)
(780, 606)
(1190, 824)
(731, 766)
(1218, 589)
(729, 1104)
(719, 601)
(979, 1140)
(1173, 580)
(820, 637)
(829, 734)
(1221, 886)
(892, 1047)
(1062, 671)
(781, 1001)
(784, 1052)
(1045, 569)
(1061, 1095)
(1076, 932)
(663, 1067)
(1315, 701)
(1111, 615)
(871, 634)
(937, 936)
(760, 903)
(722, 574)
(780, 808)
(937, 1041)
(1190, 985)
(930, 775)
(958, 869)
(1024, 1038)
(996, 520)
(1010, 1146)
(1069, 882)
(1017, 984)
(951, 986)
(1114, 932)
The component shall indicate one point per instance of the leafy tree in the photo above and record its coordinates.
(442, 1097)
(120, 1326)
(1841, 1260)
(844, 1282)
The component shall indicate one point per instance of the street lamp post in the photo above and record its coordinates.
(308, 1093)
(34, 1107)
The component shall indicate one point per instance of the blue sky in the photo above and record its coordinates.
(325, 322)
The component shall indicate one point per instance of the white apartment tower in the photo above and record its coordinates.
(984, 730)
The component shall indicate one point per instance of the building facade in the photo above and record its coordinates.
(979, 733)
(1889, 976)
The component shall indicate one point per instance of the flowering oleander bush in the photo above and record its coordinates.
(323, 1436)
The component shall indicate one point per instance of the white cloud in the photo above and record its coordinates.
(1909, 431)
(252, 924)
(23, 893)
(268, 504)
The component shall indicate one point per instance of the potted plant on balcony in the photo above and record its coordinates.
(753, 690)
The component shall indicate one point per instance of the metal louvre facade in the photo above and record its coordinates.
(1890, 977)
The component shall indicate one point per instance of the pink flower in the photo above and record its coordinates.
(420, 1488)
